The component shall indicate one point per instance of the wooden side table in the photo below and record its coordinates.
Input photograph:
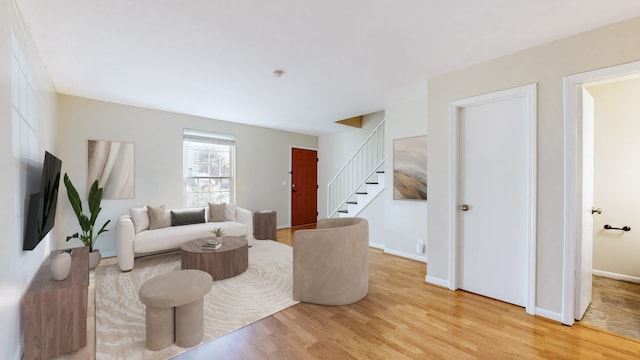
(264, 225)
(55, 312)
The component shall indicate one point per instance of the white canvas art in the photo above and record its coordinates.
(112, 164)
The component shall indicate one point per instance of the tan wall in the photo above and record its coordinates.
(546, 65)
(262, 158)
(617, 177)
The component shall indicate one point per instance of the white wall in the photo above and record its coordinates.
(20, 165)
(262, 159)
(616, 177)
(396, 225)
(546, 65)
(405, 220)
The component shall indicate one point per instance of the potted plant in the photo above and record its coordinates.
(87, 223)
(217, 232)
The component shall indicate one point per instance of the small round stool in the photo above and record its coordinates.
(174, 303)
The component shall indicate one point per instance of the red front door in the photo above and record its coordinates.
(304, 186)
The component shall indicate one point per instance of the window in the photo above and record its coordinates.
(208, 168)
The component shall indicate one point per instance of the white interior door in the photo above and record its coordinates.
(584, 255)
(494, 179)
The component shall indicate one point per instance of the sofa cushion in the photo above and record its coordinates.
(216, 212)
(140, 218)
(186, 217)
(222, 212)
(230, 212)
(158, 217)
(174, 236)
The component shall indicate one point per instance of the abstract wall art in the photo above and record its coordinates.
(112, 164)
(410, 168)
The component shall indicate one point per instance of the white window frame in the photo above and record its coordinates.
(190, 177)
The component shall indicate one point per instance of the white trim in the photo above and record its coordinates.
(454, 115)
(530, 93)
(552, 315)
(616, 276)
(436, 281)
(405, 255)
(571, 152)
(402, 254)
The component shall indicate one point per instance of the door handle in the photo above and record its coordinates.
(464, 207)
(594, 210)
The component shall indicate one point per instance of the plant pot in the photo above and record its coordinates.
(94, 259)
(60, 265)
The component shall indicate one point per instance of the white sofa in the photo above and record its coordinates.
(134, 239)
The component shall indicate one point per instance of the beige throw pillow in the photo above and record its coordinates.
(216, 212)
(158, 217)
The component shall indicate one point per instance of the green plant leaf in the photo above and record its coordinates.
(86, 223)
(73, 196)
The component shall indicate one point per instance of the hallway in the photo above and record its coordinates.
(615, 307)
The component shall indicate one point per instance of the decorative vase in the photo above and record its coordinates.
(60, 265)
(94, 259)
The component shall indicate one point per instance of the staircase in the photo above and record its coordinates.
(360, 180)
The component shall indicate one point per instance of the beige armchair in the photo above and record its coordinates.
(330, 263)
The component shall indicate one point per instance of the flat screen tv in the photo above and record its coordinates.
(42, 205)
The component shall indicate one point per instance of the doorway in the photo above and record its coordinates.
(493, 203)
(578, 228)
(304, 186)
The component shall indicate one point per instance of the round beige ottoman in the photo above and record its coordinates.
(174, 304)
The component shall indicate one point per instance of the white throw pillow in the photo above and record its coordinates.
(230, 212)
(140, 218)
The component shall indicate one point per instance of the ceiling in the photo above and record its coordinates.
(341, 58)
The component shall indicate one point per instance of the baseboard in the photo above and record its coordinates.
(376, 245)
(436, 281)
(615, 276)
(551, 315)
(106, 254)
(406, 255)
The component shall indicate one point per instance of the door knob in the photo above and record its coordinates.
(464, 207)
(594, 210)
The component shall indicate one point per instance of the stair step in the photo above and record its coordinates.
(380, 172)
(372, 183)
(361, 193)
(352, 202)
(343, 211)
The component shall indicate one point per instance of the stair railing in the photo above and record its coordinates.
(361, 166)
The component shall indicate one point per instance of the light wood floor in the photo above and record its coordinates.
(404, 318)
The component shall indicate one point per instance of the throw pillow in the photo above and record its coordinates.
(230, 212)
(158, 217)
(186, 217)
(216, 212)
(140, 218)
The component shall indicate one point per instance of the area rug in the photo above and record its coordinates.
(262, 290)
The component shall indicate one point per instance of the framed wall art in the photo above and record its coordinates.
(410, 168)
(112, 164)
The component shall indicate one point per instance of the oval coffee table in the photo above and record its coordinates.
(229, 260)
